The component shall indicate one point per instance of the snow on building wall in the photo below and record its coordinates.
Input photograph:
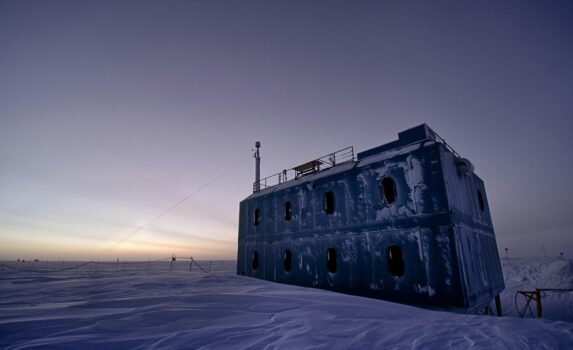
(407, 221)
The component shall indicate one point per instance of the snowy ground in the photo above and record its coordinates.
(145, 306)
(543, 273)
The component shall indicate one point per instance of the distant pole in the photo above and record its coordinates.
(172, 265)
(544, 255)
(257, 167)
(507, 253)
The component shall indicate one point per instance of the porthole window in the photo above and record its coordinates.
(331, 260)
(388, 190)
(329, 202)
(481, 201)
(257, 218)
(288, 211)
(255, 260)
(287, 259)
(395, 260)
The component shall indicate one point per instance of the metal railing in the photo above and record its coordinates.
(328, 161)
(443, 142)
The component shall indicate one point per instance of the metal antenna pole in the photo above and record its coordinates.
(257, 167)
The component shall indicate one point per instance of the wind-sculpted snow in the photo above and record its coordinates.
(158, 309)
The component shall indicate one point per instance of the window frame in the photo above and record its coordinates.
(388, 187)
(287, 260)
(257, 217)
(255, 260)
(395, 260)
(331, 264)
(287, 206)
(329, 201)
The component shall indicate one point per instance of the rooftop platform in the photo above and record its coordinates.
(346, 155)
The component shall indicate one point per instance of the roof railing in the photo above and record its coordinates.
(443, 142)
(328, 161)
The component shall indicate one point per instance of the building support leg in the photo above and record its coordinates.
(498, 305)
(538, 299)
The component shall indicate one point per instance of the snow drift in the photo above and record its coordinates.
(119, 307)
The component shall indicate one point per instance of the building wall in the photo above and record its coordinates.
(361, 229)
(474, 236)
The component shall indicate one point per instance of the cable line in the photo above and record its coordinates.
(138, 229)
(175, 205)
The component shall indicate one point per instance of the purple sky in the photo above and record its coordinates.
(112, 111)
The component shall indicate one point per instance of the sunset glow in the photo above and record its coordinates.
(113, 112)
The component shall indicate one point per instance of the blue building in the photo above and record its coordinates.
(407, 221)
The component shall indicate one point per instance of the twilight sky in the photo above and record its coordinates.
(113, 111)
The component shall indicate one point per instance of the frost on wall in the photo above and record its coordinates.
(395, 225)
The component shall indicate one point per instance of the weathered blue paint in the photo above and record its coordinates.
(445, 235)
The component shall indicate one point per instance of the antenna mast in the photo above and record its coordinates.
(257, 167)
